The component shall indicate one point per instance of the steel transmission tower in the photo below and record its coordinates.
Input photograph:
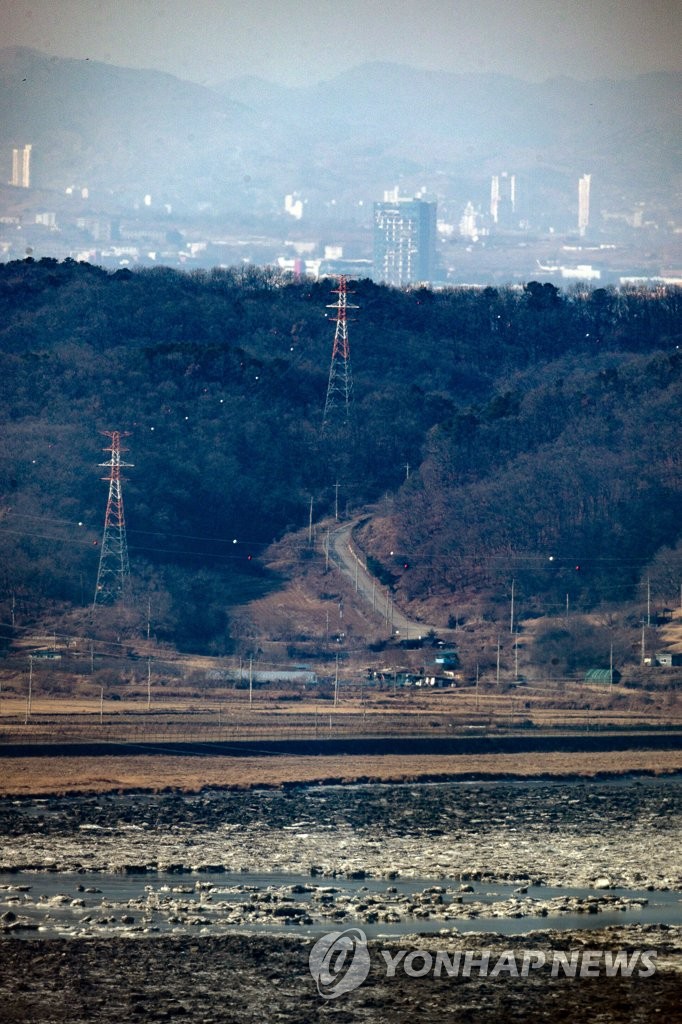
(114, 567)
(339, 403)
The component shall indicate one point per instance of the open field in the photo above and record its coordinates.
(44, 776)
(166, 715)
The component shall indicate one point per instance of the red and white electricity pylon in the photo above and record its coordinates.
(114, 567)
(338, 406)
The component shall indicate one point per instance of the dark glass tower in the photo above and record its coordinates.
(404, 241)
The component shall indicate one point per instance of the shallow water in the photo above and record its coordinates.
(155, 894)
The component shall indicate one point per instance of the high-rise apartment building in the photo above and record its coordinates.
(503, 199)
(404, 240)
(584, 203)
(21, 167)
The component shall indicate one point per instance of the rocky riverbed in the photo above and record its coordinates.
(624, 833)
(139, 907)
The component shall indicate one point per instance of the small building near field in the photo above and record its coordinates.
(668, 659)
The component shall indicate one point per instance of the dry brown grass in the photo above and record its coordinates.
(44, 776)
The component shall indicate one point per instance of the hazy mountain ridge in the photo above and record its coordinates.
(242, 146)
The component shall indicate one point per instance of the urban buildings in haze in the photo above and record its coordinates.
(584, 204)
(404, 240)
(503, 199)
(21, 167)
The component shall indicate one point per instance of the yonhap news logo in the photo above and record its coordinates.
(340, 963)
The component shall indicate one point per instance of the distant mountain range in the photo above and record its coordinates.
(243, 145)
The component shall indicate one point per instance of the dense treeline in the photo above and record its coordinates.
(534, 422)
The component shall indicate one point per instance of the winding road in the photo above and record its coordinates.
(343, 553)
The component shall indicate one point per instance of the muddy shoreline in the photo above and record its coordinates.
(253, 980)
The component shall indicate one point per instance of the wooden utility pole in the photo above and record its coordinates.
(30, 688)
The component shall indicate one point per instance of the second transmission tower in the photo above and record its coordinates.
(339, 403)
(114, 567)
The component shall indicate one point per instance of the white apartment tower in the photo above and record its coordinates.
(21, 167)
(503, 198)
(584, 204)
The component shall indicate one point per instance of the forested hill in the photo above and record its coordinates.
(533, 421)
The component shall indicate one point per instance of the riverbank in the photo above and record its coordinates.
(242, 979)
(157, 772)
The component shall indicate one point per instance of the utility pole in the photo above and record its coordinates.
(648, 600)
(407, 471)
(30, 689)
(113, 573)
(611, 669)
(516, 655)
(336, 682)
(511, 621)
(149, 616)
(149, 683)
(643, 646)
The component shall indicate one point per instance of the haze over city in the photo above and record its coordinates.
(303, 42)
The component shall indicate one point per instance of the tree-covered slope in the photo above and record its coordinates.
(534, 423)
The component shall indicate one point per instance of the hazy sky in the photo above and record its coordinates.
(303, 41)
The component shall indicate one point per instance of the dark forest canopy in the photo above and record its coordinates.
(533, 421)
